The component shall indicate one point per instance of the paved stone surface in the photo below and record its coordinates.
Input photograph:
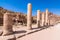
(21, 30)
(21, 33)
(52, 33)
(9, 37)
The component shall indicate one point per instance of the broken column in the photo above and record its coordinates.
(38, 18)
(46, 17)
(29, 16)
(42, 19)
(7, 24)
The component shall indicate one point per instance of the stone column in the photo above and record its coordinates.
(42, 19)
(7, 24)
(46, 17)
(49, 21)
(38, 18)
(29, 16)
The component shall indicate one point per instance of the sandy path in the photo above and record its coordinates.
(52, 33)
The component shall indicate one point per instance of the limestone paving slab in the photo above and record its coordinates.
(51, 33)
(9, 37)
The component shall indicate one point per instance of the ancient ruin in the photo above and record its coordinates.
(29, 16)
(9, 20)
(42, 19)
(7, 24)
(38, 18)
(46, 17)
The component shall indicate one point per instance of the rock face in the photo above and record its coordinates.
(22, 18)
(7, 24)
(53, 19)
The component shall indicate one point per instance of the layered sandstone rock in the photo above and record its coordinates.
(23, 17)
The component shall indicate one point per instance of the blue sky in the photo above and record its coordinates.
(21, 5)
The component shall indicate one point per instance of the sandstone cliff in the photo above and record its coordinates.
(23, 17)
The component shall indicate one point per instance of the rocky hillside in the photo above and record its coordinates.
(2, 11)
(23, 17)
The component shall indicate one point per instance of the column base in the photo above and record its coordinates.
(29, 28)
(5, 34)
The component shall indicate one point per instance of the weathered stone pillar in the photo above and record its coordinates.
(49, 21)
(38, 18)
(42, 19)
(29, 16)
(46, 17)
(7, 24)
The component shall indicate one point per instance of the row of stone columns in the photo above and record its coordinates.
(7, 20)
(44, 19)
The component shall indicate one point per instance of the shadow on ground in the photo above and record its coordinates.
(22, 31)
(39, 29)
